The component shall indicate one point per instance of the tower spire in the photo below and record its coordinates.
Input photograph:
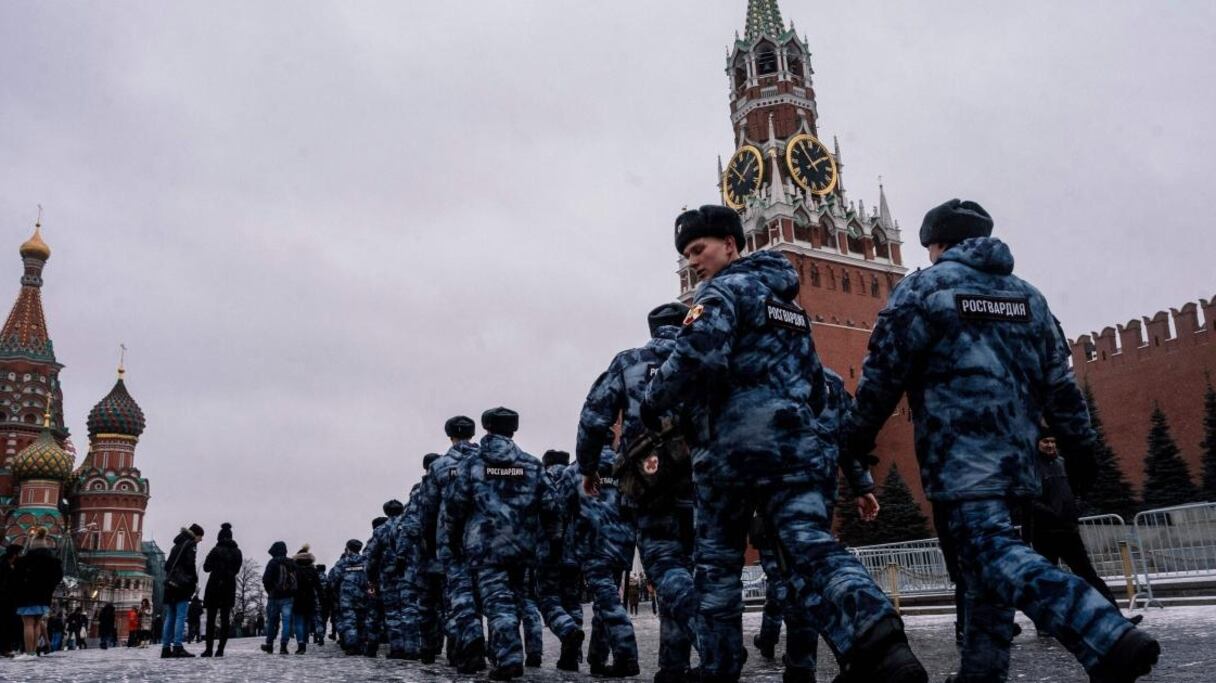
(884, 212)
(763, 18)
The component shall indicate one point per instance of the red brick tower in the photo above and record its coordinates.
(787, 186)
(107, 497)
(28, 370)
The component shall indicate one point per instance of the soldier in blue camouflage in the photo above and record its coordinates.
(559, 581)
(534, 625)
(664, 523)
(467, 648)
(423, 576)
(385, 568)
(495, 516)
(745, 375)
(605, 531)
(982, 360)
(348, 580)
(373, 627)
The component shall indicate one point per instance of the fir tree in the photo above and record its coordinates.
(849, 528)
(1208, 447)
(1166, 479)
(1111, 492)
(900, 518)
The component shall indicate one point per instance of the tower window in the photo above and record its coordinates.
(766, 60)
(740, 76)
(829, 235)
(881, 247)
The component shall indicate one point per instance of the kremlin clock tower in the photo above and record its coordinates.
(788, 188)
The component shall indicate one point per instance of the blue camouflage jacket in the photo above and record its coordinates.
(745, 370)
(435, 490)
(619, 391)
(605, 525)
(383, 552)
(837, 404)
(348, 573)
(565, 487)
(981, 359)
(497, 500)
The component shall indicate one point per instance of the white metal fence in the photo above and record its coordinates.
(1168, 545)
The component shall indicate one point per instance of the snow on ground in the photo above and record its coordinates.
(1187, 634)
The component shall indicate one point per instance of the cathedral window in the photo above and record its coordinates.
(766, 60)
(845, 284)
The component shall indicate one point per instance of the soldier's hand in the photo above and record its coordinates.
(591, 484)
(868, 507)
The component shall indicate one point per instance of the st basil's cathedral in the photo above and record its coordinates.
(94, 510)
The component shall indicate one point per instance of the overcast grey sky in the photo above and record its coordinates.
(323, 228)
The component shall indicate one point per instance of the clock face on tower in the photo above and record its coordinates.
(743, 176)
(810, 164)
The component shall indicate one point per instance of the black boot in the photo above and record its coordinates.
(427, 656)
(371, 649)
(451, 651)
(473, 658)
(166, 652)
(667, 676)
(506, 673)
(219, 650)
(301, 648)
(766, 649)
(532, 661)
(282, 647)
(597, 669)
(882, 654)
(797, 674)
(572, 650)
(206, 652)
(1132, 657)
(623, 668)
(268, 648)
(179, 651)
(395, 654)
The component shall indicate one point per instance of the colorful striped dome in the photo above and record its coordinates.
(117, 413)
(43, 459)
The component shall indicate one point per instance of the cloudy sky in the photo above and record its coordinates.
(323, 228)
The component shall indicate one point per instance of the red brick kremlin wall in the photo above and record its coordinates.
(1145, 363)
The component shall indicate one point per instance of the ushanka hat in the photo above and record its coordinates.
(953, 222)
(710, 220)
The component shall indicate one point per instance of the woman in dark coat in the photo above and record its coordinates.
(37, 574)
(223, 563)
(306, 605)
(181, 582)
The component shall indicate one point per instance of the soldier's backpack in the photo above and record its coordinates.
(656, 467)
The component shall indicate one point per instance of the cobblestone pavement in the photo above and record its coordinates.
(1188, 636)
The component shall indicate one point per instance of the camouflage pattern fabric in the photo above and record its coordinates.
(387, 564)
(459, 600)
(801, 638)
(611, 630)
(558, 580)
(665, 543)
(534, 626)
(981, 359)
(502, 590)
(349, 575)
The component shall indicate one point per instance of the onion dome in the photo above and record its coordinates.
(117, 413)
(43, 459)
(34, 246)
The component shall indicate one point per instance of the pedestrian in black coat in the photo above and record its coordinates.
(37, 574)
(306, 607)
(10, 623)
(181, 582)
(107, 631)
(223, 564)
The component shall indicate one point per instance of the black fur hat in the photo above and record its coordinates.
(393, 508)
(667, 314)
(500, 420)
(555, 458)
(710, 220)
(953, 222)
(428, 460)
(377, 522)
(354, 545)
(197, 531)
(459, 427)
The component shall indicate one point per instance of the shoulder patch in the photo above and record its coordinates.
(510, 472)
(694, 313)
(785, 316)
(651, 371)
(1011, 309)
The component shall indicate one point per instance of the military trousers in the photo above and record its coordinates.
(428, 595)
(801, 637)
(665, 543)
(826, 580)
(352, 612)
(400, 627)
(463, 611)
(1002, 574)
(611, 629)
(534, 626)
(559, 597)
(502, 591)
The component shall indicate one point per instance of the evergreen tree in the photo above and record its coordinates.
(1208, 447)
(1111, 492)
(900, 518)
(1166, 479)
(849, 528)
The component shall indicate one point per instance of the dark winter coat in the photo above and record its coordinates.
(309, 589)
(105, 620)
(223, 563)
(279, 564)
(181, 572)
(35, 578)
(1055, 508)
(194, 612)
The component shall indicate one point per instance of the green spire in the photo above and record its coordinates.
(763, 18)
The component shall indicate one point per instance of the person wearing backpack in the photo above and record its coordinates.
(280, 583)
(181, 581)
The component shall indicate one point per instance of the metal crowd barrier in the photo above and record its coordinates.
(1176, 545)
